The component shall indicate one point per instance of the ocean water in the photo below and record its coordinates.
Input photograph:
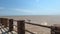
(44, 20)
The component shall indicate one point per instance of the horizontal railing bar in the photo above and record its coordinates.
(29, 31)
(38, 25)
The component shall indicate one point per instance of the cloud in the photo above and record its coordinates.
(23, 10)
(15, 12)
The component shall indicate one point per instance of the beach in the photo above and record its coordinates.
(50, 20)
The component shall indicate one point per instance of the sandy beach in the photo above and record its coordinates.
(50, 20)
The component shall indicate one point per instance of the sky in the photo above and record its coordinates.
(29, 7)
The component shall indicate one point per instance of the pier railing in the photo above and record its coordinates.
(7, 25)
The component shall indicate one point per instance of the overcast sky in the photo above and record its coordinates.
(29, 7)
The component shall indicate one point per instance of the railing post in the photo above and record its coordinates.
(21, 27)
(1, 20)
(5, 22)
(10, 25)
(52, 30)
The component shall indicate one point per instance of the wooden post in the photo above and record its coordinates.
(10, 25)
(52, 30)
(1, 21)
(5, 22)
(55, 29)
(21, 27)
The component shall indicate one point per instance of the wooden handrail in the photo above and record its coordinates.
(38, 25)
